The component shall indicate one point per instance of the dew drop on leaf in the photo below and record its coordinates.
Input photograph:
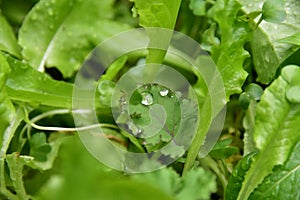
(133, 128)
(164, 92)
(147, 99)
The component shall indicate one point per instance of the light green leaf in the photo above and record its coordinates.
(293, 39)
(268, 51)
(93, 180)
(276, 131)
(60, 33)
(8, 42)
(197, 184)
(7, 109)
(230, 54)
(157, 13)
(283, 183)
(198, 7)
(28, 85)
(273, 11)
(160, 14)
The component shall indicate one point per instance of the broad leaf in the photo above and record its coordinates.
(28, 85)
(60, 33)
(283, 183)
(276, 129)
(230, 54)
(7, 109)
(8, 42)
(267, 49)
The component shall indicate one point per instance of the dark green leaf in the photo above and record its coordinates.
(39, 148)
(238, 176)
(222, 149)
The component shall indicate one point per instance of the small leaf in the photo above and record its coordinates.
(198, 7)
(273, 11)
(39, 148)
(222, 150)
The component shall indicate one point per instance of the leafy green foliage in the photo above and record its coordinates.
(196, 184)
(39, 87)
(48, 33)
(40, 154)
(283, 182)
(267, 36)
(8, 40)
(275, 132)
(6, 107)
(230, 54)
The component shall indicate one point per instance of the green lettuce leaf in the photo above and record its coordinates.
(276, 131)
(160, 14)
(60, 33)
(8, 41)
(230, 54)
(26, 84)
(283, 183)
(268, 51)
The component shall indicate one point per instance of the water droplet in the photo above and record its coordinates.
(47, 4)
(147, 99)
(50, 12)
(69, 33)
(267, 59)
(133, 128)
(51, 26)
(144, 142)
(33, 16)
(164, 92)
